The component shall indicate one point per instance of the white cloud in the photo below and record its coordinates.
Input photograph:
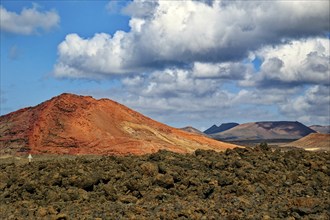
(169, 83)
(313, 105)
(177, 95)
(296, 63)
(29, 21)
(178, 98)
(115, 6)
(191, 60)
(93, 58)
(224, 70)
(176, 33)
(140, 8)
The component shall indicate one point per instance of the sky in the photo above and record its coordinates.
(195, 63)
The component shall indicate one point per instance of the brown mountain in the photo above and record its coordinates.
(72, 124)
(269, 130)
(312, 142)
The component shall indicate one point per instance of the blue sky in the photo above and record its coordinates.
(26, 77)
(180, 62)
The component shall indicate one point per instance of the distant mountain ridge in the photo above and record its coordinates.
(223, 127)
(267, 130)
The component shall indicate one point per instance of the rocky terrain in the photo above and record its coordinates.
(72, 124)
(241, 183)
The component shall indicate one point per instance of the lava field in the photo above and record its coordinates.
(249, 183)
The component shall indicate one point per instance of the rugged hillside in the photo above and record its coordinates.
(275, 130)
(71, 124)
(312, 142)
(223, 127)
(321, 129)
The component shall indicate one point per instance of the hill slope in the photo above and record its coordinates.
(223, 127)
(265, 131)
(312, 142)
(71, 124)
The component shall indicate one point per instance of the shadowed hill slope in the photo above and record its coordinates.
(72, 124)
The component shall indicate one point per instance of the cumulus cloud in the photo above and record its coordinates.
(177, 34)
(192, 60)
(141, 8)
(169, 83)
(29, 21)
(174, 91)
(88, 58)
(176, 95)
(224, 70)
(296, 63)
(115, 6)
(312, 106)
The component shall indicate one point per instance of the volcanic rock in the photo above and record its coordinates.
(72, 124)
(267, 184)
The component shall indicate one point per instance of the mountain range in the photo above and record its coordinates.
(267, 130)
(72, 124)
(223, 127)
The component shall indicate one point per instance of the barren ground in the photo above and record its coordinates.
(237, 184)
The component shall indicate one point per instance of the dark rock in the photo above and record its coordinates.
(164, 180)
(61, 217)
(127, 199)
(149, 169)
